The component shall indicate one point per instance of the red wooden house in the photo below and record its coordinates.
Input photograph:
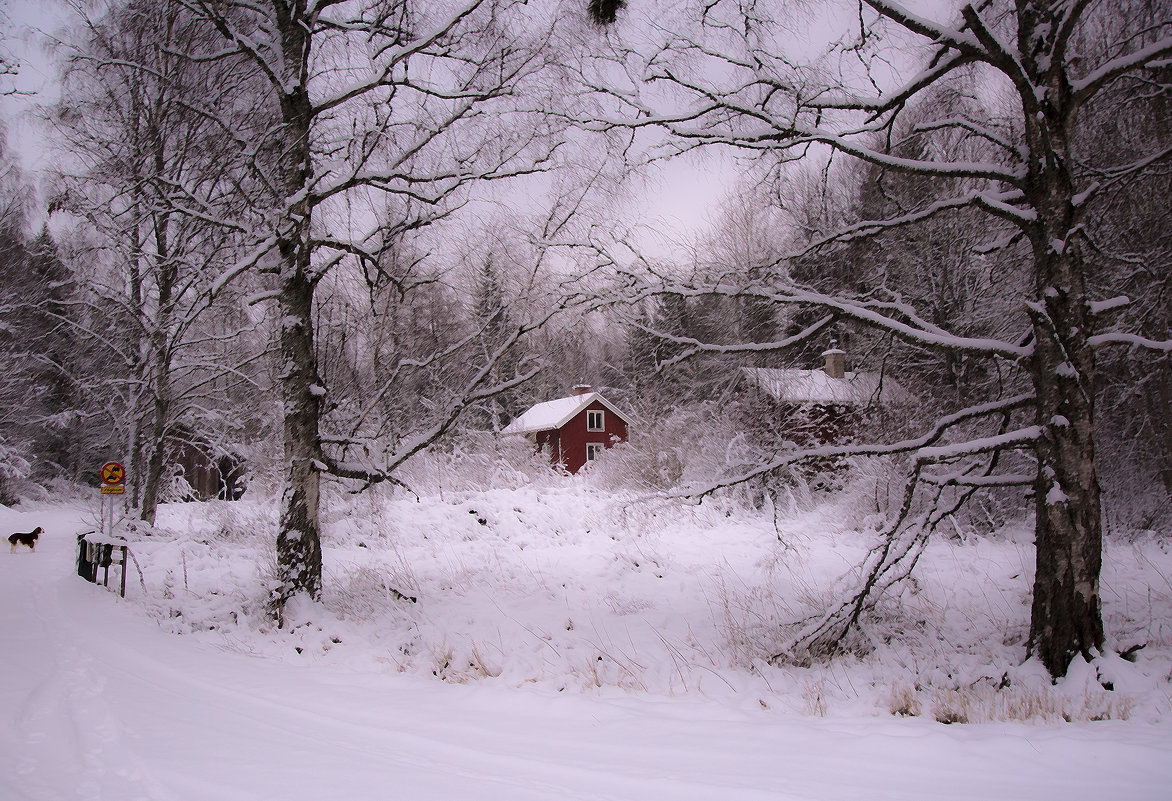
(573, 430)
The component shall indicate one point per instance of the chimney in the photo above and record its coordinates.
(582, 389)
(835, 361)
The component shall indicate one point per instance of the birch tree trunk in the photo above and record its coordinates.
(166, 277)
(299, 533)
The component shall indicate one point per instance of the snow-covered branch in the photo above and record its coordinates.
(1090, 84)
(868, 313)
(392, 59)
(916, 445)
(1130, 340)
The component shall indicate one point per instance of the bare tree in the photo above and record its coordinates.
(1132, 246)
(18, 390)
(385, 114)
(148, 130)
(723, 80)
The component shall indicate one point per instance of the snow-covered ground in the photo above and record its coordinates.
(564, 644)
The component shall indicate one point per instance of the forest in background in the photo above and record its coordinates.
(325, 238)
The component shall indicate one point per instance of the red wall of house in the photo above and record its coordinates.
(550, 443)
(574, 435)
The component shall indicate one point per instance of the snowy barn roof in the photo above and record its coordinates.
(816, 386)
(556, 413)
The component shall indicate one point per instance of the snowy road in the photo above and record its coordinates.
(97, 703)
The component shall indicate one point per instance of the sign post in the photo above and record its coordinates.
(113, 476)
(92, 555)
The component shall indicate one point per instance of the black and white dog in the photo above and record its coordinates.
(29, 539)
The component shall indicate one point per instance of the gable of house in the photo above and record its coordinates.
(556, 413)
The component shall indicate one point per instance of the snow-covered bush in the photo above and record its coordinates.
(177, 489)
(686, 447)
(14, 468)
(475, 462)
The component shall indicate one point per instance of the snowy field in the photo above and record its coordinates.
(564, 643)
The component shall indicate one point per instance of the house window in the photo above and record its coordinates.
(595, 420)
(594, 449)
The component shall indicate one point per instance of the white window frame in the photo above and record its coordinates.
(594, 450)
(601, 420)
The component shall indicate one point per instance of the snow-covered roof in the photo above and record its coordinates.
(816, 386)
(556, 413)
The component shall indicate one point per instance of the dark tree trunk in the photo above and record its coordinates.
(1160, 411)
(1066, 618)
(154, 465)
(298, 537)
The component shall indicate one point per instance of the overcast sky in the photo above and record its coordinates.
(37, 80)
(681, 196)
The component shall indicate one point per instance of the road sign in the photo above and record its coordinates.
(113, 475)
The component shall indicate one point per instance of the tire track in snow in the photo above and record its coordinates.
(63, 732)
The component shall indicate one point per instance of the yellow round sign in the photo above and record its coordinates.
(112, 474)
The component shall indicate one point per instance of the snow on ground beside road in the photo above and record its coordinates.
(564, 644)
(575, 590)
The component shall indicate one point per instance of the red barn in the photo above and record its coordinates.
(573, 430)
